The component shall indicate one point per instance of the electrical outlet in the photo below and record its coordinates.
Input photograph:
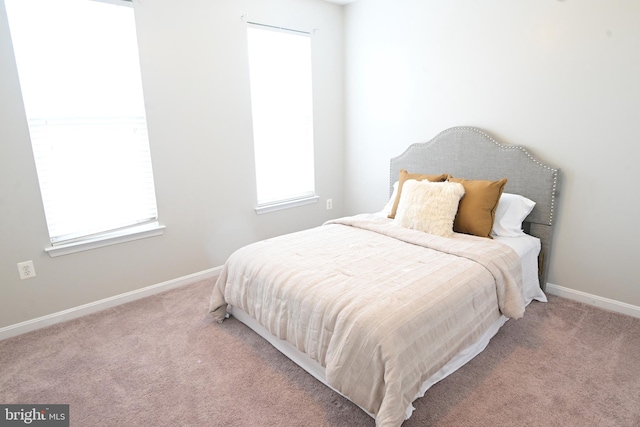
(26, 270)
(329, 204)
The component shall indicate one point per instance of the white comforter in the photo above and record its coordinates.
(379, 306)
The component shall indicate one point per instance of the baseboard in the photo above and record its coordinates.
(594, 300)
(94, 307)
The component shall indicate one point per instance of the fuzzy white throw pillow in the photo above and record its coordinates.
(429, 206)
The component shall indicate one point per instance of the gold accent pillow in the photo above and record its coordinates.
(404, 175)
(477, 208)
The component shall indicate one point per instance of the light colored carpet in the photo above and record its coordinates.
(162, 361)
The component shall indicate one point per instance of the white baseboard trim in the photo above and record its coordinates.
(594, 300)
(94, 307)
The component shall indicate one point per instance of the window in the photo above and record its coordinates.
(281, 101)
(80, 78)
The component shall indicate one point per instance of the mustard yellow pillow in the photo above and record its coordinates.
(477, 208)
(404, 175)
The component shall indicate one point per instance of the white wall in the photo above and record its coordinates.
(195, 78)
(560, 77)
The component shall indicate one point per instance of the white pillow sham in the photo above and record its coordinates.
(511, 211)
(389, 206)
(429, 206)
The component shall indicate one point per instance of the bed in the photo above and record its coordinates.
(380, 306)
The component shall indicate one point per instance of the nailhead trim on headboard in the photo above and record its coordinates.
(526, 152)
(426, 156)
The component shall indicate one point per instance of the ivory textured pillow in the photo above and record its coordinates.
(478, 206)
(429, 206)
(404, 175)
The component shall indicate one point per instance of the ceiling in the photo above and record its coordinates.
(341, 1)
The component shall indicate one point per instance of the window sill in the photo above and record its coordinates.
(107, 239)
(285, 205)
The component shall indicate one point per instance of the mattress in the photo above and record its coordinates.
(393, 309)
(527, 247)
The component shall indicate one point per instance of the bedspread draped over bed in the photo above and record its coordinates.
(379, 306)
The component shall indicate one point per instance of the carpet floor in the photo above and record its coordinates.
(162, 361)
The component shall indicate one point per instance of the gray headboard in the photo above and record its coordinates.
(468, 152)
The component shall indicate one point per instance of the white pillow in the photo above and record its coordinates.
(389, 206)
(429, 206)
(511, 211)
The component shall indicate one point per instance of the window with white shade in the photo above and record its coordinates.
(80, 77)
(281, 101)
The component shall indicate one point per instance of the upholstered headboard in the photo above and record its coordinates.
(468, 152)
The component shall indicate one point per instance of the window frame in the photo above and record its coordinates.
(305, 197)
(66, 240)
